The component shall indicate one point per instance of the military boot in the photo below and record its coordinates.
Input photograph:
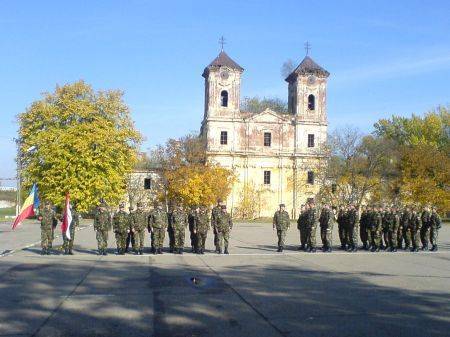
(202, 251)
(226, 251)
(434, 248)
(279, 250)
(66, 251)
(180, 251)
(70, 252)
(43, 252)
(312, 250)
(425, 247)
(160, 251)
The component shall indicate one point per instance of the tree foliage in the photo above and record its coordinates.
(78, 141)
(190, 179)
(256, 104)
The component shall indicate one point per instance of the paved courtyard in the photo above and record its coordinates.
(252, 292)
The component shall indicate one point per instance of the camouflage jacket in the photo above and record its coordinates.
(202, 222)
(75, 219)
(47, 218)
(302, 218)
(414, 222)
(121, 222)
(389, 223)
(281, 220)
(223, 222)
(102, 221)
(325, 219)
(214, 213)
(425, 218)
(435, 220)
(139, 220)
(158, 219)
(178, 219)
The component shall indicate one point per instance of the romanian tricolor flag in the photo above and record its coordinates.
(27, 210)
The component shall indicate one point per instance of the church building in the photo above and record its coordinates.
(274, 155)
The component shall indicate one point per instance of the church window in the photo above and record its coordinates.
(224, 98)
(223, 138)
(311, 102)
(267, 139)
(147, 184)
(311, 177)
(310, 140)
(266, 177)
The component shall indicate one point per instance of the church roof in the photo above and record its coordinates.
(307, 66)
(222, 60)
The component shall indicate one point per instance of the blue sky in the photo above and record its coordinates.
(385, 57)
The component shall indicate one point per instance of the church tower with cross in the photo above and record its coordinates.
(274, 154)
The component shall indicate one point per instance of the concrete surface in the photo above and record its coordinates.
(252, 292)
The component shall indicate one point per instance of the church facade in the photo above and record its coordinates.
(274, 155)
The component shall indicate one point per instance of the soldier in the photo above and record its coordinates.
(435, 225)
(311, 226)
(425, 229)
(179, 221)
(281, 222)
(341, 227)
(384, 230)
(326, 221)
(68, 243)
(121, 228)
(102, 225)
(215, 211)
(158, 225)
(374, 229)
(130, 234)
(363, 227)
(191, 220)
(47, 217)
(138, 224)
(170, 230)
(301, 226)
(404, 224)
(413, 231)
(223, 225)
(201, 229)
(351, 229)
(400, 238)
(390, 226)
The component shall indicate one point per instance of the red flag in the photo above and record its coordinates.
(67, 218)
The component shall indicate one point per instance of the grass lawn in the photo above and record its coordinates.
(7, 211)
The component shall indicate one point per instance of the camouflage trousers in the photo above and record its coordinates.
(400, 237)
(139, 240)
(351, 236)
(68, 244)
(102, 239)
(158, 237)
(326, 236)
(363, 235)
(281, 233)
(425, 236)
(201, 240)
(223, 238)
(216, 240)
(392, 238)
(311, 237)
(342, 236)
(434, 231)
(171, 234)
(121, 240)
(179, 234)
(385, 237)
(302, 230)
(46, 238)
(412, 238)
(374, 237)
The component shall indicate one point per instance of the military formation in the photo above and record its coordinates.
(376, 227)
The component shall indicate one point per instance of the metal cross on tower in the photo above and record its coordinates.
(307, 47)
(222, 42)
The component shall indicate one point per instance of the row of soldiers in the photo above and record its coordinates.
(378, 227)
(158, 222)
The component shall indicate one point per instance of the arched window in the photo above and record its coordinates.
(311, 102)
(224, 98)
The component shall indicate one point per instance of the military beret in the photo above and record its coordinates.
(223, 206)
(122, 205)
(139, 204)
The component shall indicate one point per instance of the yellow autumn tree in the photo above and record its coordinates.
(78, 141)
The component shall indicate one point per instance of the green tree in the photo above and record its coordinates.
(78, 141)
(256, 104)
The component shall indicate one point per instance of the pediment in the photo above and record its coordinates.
(267, 116)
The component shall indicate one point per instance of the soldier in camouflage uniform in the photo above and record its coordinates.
(413, 231)
(179, 221)
(326, 221)
(435, 225)
(214, 213)
(158, 225)
(341, 219)
(311, 227)
(391, 227)
(102, 225)
(170, 231)
(363, 227)
(223, 224)
(201, 229)
(130, 233)
(121, 227)
(68, 243)
(47, 217)
(404, 223)
(301, 226)
(281, 222)
(191, 221)
(425, 229)
(374, 229)
(138, 224)
(351, 229)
